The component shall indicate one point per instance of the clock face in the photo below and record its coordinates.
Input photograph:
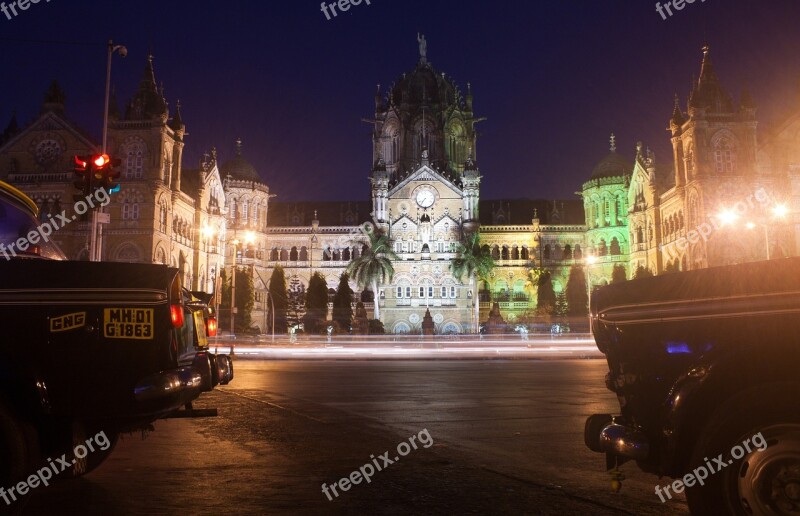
(425, 198)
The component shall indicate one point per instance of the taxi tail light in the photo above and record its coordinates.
(211, 326)
(176, 314)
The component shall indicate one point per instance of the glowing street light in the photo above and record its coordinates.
(590, 260)
(780, 211)
(207, 231)
(727, 217)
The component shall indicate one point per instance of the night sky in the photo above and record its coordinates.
(553, 78)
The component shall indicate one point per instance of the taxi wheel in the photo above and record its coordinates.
(19, 447)
(760, 481)
(19, 453)
(85, 457)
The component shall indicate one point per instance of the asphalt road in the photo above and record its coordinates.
(491, 436)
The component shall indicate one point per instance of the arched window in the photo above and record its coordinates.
(273, 255)
(496, 252)
(578, 253)
(293, 254)
(547, 252)
(232, 213)
(162, 217)
(515, 253)
(130, 211)
(615, 249)
(284, 255)
(602, 248)
(303, 254)
(557, 252)
(244, 211)
(505, 254)
(724, 156)
(567, 252)
(327, 253)
(134, 160)
(524, 253)
(639, 235)
(346, 254)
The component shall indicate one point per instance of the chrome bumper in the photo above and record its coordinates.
(169, 383)
(206, 372)
(603, 434)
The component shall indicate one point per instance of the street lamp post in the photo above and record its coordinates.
(96, 232)
(249, 237)
(779, 212)
(590, 260)
(233, 287)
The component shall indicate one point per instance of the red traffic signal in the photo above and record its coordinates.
(100, 161)
(81, 164)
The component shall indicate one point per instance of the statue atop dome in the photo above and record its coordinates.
(423, 48)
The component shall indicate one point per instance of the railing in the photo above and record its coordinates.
(337, 263)
(52, 177)
(512, 263)
(504, 229)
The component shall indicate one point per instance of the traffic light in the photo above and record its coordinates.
(83, 170)
(111, 175)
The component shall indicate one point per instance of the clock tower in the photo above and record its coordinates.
(425, 193)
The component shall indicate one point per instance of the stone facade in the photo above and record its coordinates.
(425, 194)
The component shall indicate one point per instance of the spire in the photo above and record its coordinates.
(708, 93)
(747, 102)
(54, 98)
(677, 120)
(613, 141)
(147, 103)
(470, 166)
(11, 129)
(149, 74)
(177, 121)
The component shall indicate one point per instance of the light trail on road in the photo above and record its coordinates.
(574, 346)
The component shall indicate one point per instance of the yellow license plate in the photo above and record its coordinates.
(128, 323)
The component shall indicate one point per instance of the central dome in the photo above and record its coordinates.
(613, 165)
(424, 84)
(240, 168)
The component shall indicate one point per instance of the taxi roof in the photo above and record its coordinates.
(17, 197)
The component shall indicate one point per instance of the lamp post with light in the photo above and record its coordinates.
(590, 260)
(95, 231)
(249, 238)
(779, 212)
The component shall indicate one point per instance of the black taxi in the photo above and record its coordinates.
(90, 347)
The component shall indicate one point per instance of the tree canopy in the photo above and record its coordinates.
(343, 303)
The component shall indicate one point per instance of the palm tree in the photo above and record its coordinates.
(473, 261)
(374, 266)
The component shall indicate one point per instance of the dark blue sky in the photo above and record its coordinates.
(553, 78)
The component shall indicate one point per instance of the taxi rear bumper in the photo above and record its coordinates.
(186, 383)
